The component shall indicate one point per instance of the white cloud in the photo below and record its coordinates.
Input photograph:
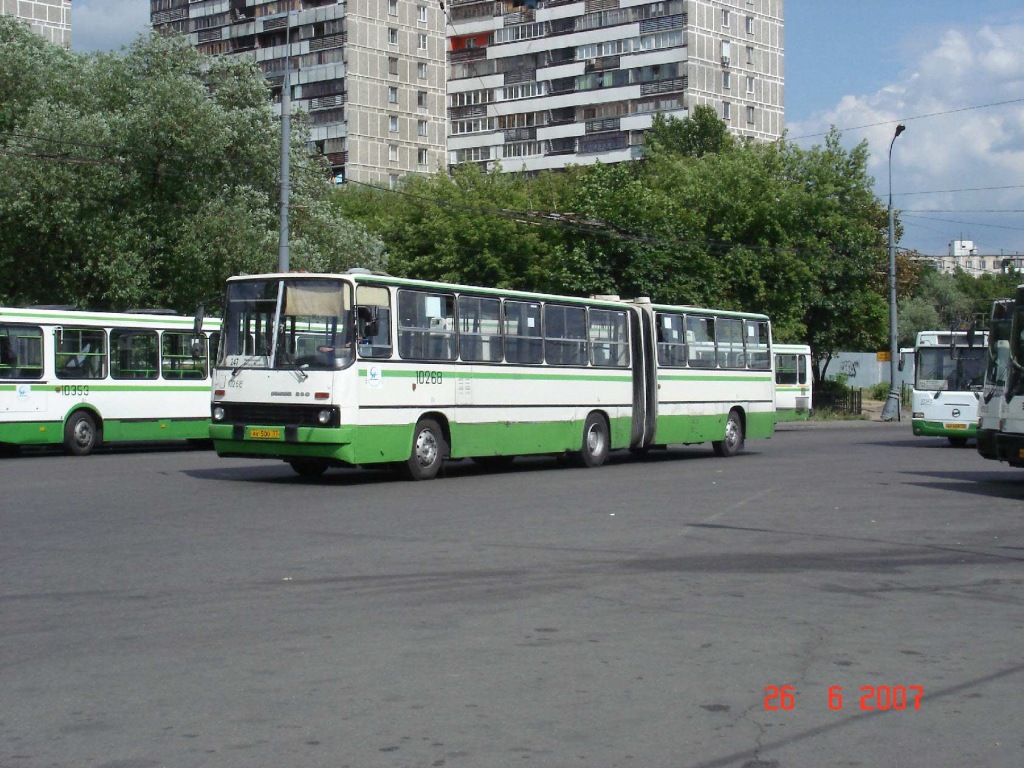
(107, 25)
(961, 134)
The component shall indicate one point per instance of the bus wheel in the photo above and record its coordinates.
(308, 467)
(80, 434)
(594, 449)
(428, 451)
(733, 442)
(957, 442)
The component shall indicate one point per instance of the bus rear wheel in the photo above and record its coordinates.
(81, 436)
(733, 442)
(428, 451)
(595, 447)
(308, 467)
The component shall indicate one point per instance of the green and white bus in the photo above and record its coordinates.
(84, 378)
(949, 375)
(1000, 423)
(794, 383)
(361, 369)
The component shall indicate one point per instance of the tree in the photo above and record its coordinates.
(148, 177)
(696, 135)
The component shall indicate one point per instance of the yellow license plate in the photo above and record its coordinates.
(257, 433)
(956, 426)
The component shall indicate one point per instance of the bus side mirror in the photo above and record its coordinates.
(901, 363)
(970, 337)
(197, 326)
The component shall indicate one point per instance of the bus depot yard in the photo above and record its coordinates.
(842, 594)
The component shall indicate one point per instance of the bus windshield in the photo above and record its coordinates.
(288, 324)
(938, 370)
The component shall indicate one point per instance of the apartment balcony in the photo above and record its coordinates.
(467, 54)
(602, 63)
(464, 113)
(328, 41)
(604, 124)
(663, 86)
(520, 134)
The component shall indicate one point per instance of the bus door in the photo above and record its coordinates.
(645, 395)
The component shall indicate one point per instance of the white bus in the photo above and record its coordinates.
(949, 375)
(1000, 428)
(83, 378)
(360, 368)
(794, 382)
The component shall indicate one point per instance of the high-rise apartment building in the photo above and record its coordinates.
(49, 18)
(370, 73)
(541, 84)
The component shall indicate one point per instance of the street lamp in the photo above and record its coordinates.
(283, 244)
(892, 405)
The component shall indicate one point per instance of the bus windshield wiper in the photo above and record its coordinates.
(244, 364)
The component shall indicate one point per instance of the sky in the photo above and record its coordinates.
(952, 71)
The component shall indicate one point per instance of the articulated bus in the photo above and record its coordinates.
(793, 382)
(361, 369)
(84, 378)
(1001, 412)
(949, 374)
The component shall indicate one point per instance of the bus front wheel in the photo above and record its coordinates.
(428, 451)
(80, 434)
(594, 450)
(733, 442)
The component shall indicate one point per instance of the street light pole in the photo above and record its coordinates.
(892, 405)
(283, 245)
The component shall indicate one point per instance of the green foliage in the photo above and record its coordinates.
(702, 133)
(957, 300)
(147, 178)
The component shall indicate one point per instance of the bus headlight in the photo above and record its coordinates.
(218, 413)
(324, 416)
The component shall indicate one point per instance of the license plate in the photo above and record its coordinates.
(258, 433)
(956, 426)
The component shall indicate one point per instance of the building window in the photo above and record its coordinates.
(392, 7)
(725, 17)
(392, 94)
(421, 70)
(750, 25)
(393, 180)
(726, 81)
(750, 55)
(421, 157)
(725, 51)
(393, 123)
(750, 84)
(392, 65)
(421, 43)
(393, 153)
(421, 127)
(421, 99)
(726, 110)
(750, 114)
(421, 13)
(393, 35)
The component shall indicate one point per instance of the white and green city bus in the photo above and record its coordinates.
(794, 383)
(949, 374)
(361, 368)
(83, 378)
(1001, 411)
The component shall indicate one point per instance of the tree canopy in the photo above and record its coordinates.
(148, 177)
(701, 219)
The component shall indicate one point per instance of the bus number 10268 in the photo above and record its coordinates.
(428, 377)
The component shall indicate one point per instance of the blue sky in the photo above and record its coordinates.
(951, 70)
